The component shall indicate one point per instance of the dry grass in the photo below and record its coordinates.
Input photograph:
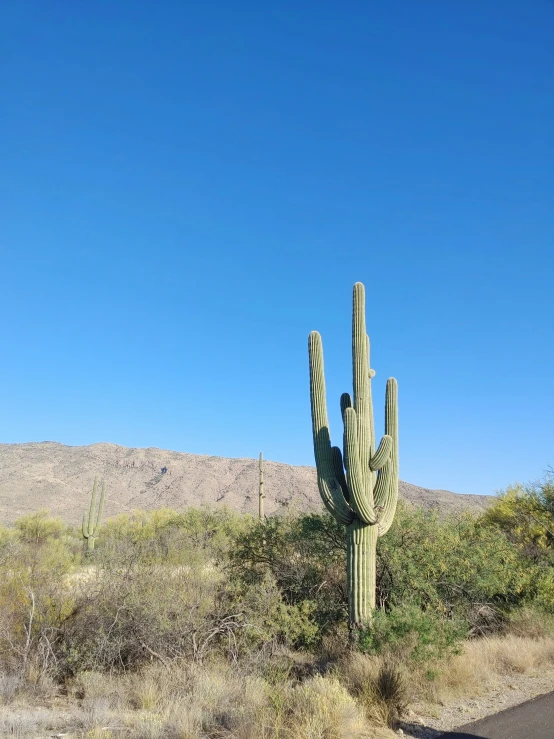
(512, 653)
(384, 687)
(359, 699)
(479, 666)
(528, 622)
(197, 702)
(217, 702)
(322, 708)
(379, 685)
(10, 685)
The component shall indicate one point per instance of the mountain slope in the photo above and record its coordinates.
(59, 478)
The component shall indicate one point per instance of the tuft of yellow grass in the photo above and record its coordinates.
(322, 708)
(380, 686)
(193, 701)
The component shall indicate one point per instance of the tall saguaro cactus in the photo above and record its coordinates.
(93, 521)
(359, 486)
(261, 496)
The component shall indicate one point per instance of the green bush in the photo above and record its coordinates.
(306, 557)
(453, 566)
(410, 633)
(166, 536)
(33, 601)
(39, 527)
(544, 597)
(124, 617)
(456, 567)
(525, 514)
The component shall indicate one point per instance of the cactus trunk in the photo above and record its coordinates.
(261, 495)
(361, 571)
(93, 520)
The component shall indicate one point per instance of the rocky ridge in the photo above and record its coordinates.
(56, 477)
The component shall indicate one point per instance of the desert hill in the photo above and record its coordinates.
(59, 478)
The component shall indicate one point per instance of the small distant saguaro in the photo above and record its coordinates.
(93, 520)
(261, 495)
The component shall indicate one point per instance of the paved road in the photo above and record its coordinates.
(531, 720)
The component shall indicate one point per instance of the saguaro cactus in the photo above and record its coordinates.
(91, 525)
(359, 486)
(261, 496)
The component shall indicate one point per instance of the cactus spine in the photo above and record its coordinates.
(261, 496)
(359, 486)
(91, 525)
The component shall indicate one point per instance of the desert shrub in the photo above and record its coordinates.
(322, 707)
(306, 556)
(33, 603)
(192, 537)
(218, 699)
(409, 633)
(544, 593)
(124, 617)
(391, 693)
(7, 536)
(155, 590)
(525, 514)
(453, 566)
(165, 586)
(38, 528)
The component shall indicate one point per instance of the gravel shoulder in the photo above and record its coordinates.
(429, 722)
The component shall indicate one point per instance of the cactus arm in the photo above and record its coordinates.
(338, 466)
(360, 376)
(333, 499)
(329, 487)
(361, 498)
(85, 526)
(389, 497)
(371, 375)
(382, 487)
(345, 402)
(382, 455)
(90, 518)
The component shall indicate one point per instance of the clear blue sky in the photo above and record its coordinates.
(188, 189)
